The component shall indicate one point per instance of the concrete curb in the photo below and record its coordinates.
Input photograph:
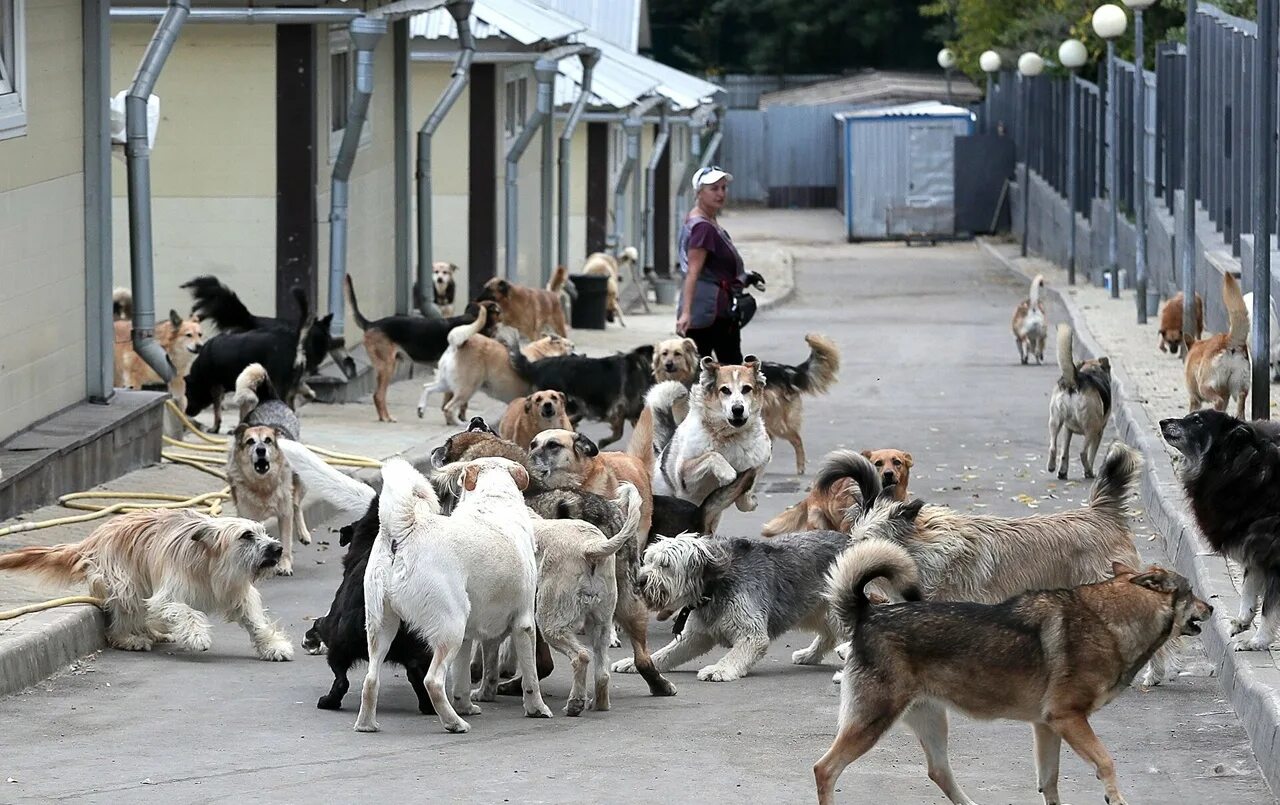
(1250, 679)
(52, 639)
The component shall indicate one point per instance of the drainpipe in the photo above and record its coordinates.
(544, 71)
(686, 176)
(99, 333)
(651, 190)
(631, 125)
(461, 11)
(365, 33)
(138, 171)
(260, 16)
(589, 58)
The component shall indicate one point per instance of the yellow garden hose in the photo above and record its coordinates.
(10, 614)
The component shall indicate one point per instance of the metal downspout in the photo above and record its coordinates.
(651, 191)
(631, 125)
(686, 176)
(258, 16)
(138, 171)
(99, 332)
(400, 143)
(461, 11)
(544, 71)
(365, 34)
(589, 59)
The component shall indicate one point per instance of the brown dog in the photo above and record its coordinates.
(604, 265)
(1218, 366)
(181, 339)
(532, 311)
(564, 459)
(894, 467)
(526, 417)
(832, 504)
(1171, 324)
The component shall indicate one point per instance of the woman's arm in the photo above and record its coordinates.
(697, 259)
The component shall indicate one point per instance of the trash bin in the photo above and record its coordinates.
(591, 306)
(665, 290)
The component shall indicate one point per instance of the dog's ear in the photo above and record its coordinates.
(715, 566)
(908, 460)
(709, 369)
(345, 534)
(584, 446)
(909, 511)
(867, 455)
(1121, 569)
(528, 404)
(1157, 579)
(520, 476)
(753, 363)
(174, 318)
(239, 431)
(571, 407)
(469, 476)
(478, 425)
(691, 349)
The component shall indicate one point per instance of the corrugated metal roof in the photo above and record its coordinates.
(683, 90)
(612, 84)
(919, 109)
(615, 21)
(525, 22)
(877, 86)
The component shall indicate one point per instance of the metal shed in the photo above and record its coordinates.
(897, 170)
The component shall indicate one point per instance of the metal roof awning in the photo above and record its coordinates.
(404, 8)
(683, 90)
(616, 21)
(612, 84)
(919, 109)
(523, 22)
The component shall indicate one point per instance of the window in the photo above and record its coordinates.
(517, 106)
(13, 110)
(342, 77)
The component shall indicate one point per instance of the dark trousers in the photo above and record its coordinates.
(724, 338)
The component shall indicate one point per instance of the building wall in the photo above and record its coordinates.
(213, 167)
(42, 340)
(450, 147)
(529, 199)
(578, 199)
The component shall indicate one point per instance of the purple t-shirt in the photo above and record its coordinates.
(722, 273)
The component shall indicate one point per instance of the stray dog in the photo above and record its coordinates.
(1051, 658)
(474, 362)
(528, 416)
(443, 286)
(783, 409)
(1218, 366)
(1274, 329)
(181, 340)
(602, 264)
(894, 467)
(261, 481)
(743, 593)
(610, 389)
(832, 504)
(722, 436)
(158, 571)
(1080, 404)
(532, 311)
(1171, 339)
(122, 304)
(1030, 325)
(456, 580)
(1228, 470)
(562, 459)
(422, 339)
(970, 557)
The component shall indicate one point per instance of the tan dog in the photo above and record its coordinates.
(181, 340)
(562, 458)
(1171, 339)
(894, 467)
(528, 416)
(601, 264)
(1030, 326)
(1218, 366)
(832, 503)
(474, 362)
(673, 359)
(1080, 404)
(532, 311)
(443, 286)
(263, 485)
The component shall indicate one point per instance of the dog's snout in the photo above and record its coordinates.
(670, 366)
(548, 410)
(888, 477)
(738, 410)
(275, 551)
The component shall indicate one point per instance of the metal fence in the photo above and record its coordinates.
(783, 156)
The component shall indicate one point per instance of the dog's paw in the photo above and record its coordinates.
(1089, 474)
(458, 727)
(837, 678)
(574, 707)
(196, 641)
(366, 724)
(276, 651)
(842, 651)
(327, 702)
(485, 693)
(1239, 625)
(305, 538)
(284, 569)
(1150, 678)
(805, 657)
(467, 708)
(132, 642)
(1062, 474)
(1255, 643)
(748, 502)
(714, 673)
(627, 666)
(538, 710)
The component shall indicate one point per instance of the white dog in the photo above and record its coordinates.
(722, 436)
(457, 580)
(158, 571)
(1274, 324)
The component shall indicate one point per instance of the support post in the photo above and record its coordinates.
(1140, 174)
(1190, 173)
(1264, 112)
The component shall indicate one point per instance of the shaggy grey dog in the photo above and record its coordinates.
(261, 405)
(743, 593)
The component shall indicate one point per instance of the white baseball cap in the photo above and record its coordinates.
(710, 175)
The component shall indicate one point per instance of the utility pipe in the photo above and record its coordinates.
(461, 12)
(631, 126)
(1264, 112)
(400, 143)
(588, 58)
(99, 333)
(686, 176)
(1190, 174)
(1147, 303)
(546, 189)
(138, 172)
(260, 16)
(651, 192)
(544, 72)
(365, 34)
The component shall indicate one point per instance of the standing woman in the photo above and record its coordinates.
(714, 274)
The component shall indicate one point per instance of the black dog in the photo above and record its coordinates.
(343, 630)
(609, 389)
(1229, 471)
(225, 356)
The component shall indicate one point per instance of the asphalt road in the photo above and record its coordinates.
(929, 367)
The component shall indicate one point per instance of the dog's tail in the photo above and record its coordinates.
(57, 564)
(1033, 296)
(1116, 480)
(1237, 313)
(253, 387)
(849, 464)
(459, 335)
(559, 278)
(219, 304)
(361, 321)
(820, 370)
(1066, 363)
(861, 563)
(351, 497)
(628, 500)
(121, 304)
(403, 489)
(661, 399)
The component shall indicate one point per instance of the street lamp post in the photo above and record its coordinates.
(947, 61)
(1190, 174)
(1072, 55)
(989, 61)
(1109, 22)
(1147, 299)
(1264, 112)
(1030, 65)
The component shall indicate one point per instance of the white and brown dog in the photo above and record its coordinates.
(444, 286)
(722, 436)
